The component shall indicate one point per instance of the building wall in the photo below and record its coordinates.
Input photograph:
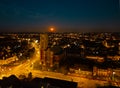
(43, 47)
(43, 41)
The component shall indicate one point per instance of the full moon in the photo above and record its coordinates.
(52, 29)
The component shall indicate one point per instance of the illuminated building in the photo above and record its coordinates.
(119, 48)
(43, 41)
(43, 48)
(46, 55)
(56, 55)
(49, 59)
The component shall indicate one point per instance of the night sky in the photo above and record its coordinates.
(64, 15)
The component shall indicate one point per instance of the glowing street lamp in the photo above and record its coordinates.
(113, 75)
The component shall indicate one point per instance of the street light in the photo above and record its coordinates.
(113, 75)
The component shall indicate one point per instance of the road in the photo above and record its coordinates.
(25, 67)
